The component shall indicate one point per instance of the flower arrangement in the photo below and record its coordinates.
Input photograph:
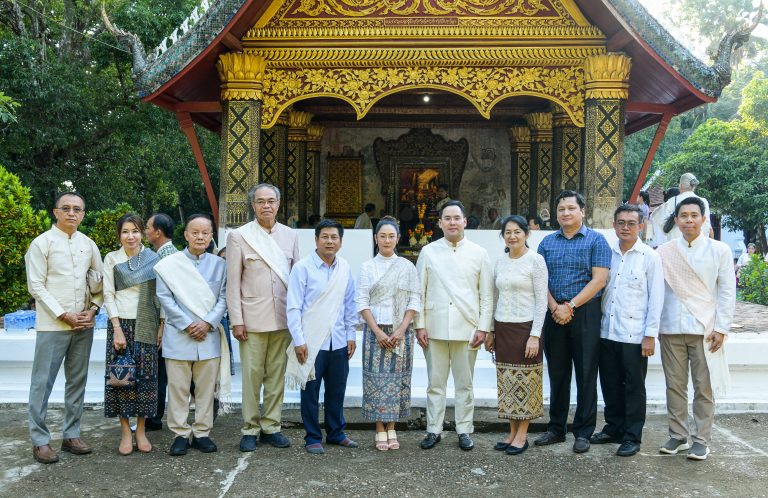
(419, 235)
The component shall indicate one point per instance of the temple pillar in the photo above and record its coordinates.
(541, 163)
(312, 177)
(607, 90)
(520, 142)
(296, 164)
(567, 151)
(274, 156)
(241, 84)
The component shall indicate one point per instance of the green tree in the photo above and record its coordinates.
(19, 225)
(8, 108)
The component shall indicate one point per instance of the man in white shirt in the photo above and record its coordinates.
(64, 271)
(631, 308)
(699, 302)
(455, 316)
(364, 220)
(688, 184)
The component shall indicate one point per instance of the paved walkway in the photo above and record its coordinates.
(750, 318)
(738, 465)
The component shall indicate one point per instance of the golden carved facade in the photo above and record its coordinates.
(241, 76)
(607, 76)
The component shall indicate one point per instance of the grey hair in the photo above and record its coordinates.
(252, 192)
(688, 181)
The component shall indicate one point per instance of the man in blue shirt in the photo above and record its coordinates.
(578, 259)
(322, 316)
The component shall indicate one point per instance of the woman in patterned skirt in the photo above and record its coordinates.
(134, 320)
(388, 295)
(521, 287)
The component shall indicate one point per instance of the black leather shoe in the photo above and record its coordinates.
(277, 439)
(248, 443)
(516, 450)
(548, 438)
(603, 438)
(152, 425)
(179, 447)
(628, 448)
(501, 446)
(430, 441)
(581, 445)
(465, 442)
(204, 444)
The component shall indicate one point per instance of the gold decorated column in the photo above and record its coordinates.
(241, 92)
(567, 152)
(606, 80)
(520, 142)
(296, 164)
(274, 155)
(312, 179)
(541, 162)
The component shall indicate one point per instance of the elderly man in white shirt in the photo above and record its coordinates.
(631, 307)
(699, 302)
(455, 315)
(64, 271)
(688, 184)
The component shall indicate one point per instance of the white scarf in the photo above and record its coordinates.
(266, 247)
(317, 322)
(695, 295)
(190, 289)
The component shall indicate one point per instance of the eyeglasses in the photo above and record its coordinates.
(630, 224)
(267, 202)
(68, 209)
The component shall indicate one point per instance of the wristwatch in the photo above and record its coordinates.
(572, 305)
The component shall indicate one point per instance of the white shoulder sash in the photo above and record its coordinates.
(188, 286)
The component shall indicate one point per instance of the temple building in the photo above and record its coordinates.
(345, 102)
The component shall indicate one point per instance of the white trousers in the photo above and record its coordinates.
(455, 357)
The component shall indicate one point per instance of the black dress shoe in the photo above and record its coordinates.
(277, 439)
(465, 442)
(548, 438)
(248, 443)
(628, 448)
(204, 444)
(501, 446)
(581, 445)
(516, 450)
(603, 438)
(430, 441)
(179, 447)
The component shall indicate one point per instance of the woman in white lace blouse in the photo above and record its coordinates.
(521, 305)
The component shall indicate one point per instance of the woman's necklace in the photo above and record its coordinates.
(138, 260)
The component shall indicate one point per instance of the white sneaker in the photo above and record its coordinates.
(672, 446)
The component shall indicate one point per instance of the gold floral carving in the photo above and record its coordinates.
(365, 8)
(483, 87)
(607, 76)
(541, 125)
(520, 136)
(298, 121)
(314, 136)
(241, 76)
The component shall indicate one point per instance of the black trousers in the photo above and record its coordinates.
(573, 347)
(622, 379)
(162, 387)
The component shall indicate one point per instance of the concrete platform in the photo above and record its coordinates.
(738, 465)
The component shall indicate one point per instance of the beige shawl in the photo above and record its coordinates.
(266, 247)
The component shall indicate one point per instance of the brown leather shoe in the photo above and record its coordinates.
(44, 454)
(76, 446)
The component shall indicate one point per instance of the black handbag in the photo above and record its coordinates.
(122, 373)
(669, 223)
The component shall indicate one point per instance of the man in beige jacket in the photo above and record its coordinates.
(260, 255)
(456, 313)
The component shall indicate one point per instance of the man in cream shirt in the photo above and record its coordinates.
(64, 271)
(699, 302)
(456, 313)
(260, 255)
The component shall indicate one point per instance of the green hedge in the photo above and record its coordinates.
(754, 281)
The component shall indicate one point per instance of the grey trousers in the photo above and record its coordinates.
(677, 352)
(51, 349)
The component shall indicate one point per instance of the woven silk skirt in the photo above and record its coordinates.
(519, 379)
(386, 378)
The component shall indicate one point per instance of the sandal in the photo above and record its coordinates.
(381, 441)
(392, 440)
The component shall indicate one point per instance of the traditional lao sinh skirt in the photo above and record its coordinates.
(387, 378)
(519, 379)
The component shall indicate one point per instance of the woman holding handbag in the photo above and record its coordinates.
(132, 333)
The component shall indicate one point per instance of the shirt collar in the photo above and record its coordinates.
(636, 247)
(582, 231)
(700, 239)
(61, 233)
(169, 243)
(384, 258)
(318, 261)
(193, 257)
(458, 244)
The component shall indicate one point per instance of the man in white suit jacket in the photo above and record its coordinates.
(456, 313)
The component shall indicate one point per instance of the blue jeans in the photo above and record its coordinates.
(331, 367)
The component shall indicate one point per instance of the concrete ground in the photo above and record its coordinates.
(738, 465)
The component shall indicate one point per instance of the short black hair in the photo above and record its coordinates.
(670, 193)
(536, 219)
(517, 220)
(453, 203)
(571, 193)
(387, 221)
(629, 208)
(692, 200)
(646, 197)
(164, 223)
(370, 207)
(329, 223)
(443, 186)
(64, 194)
(195, 216)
